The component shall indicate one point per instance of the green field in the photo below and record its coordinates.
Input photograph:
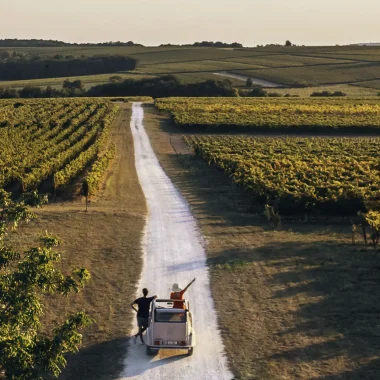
(88, 80)
(312, 75)
(310, 66)
(373, 84)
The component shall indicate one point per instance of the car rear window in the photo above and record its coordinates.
(163, 316)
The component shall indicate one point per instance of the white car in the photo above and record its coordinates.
(169, 328)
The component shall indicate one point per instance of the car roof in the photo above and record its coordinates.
(168, 300)
(170, 310)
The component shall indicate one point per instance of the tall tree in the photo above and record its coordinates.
(249, 83)
(25, 352)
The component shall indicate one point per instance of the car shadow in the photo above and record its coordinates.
(146, 363)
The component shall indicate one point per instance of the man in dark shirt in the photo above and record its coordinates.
(143, 304)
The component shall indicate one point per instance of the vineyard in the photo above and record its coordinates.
(319, 176)
(54, 140)
(275, 114)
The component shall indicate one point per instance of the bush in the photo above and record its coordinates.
(249, 83)
(162, 87)
(300, 84)
(116, 79)
(258, 91)
(327, 94)
(73, 85)
(31, 92)
(8, 93)
(339, 93)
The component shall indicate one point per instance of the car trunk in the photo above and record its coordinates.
(170, 331)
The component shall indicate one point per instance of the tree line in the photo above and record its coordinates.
(14, 42)
(217, 44)
(164, 86)
(20, 68)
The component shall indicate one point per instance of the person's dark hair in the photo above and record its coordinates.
(145, 291)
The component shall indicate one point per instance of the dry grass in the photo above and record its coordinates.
(105, 240)
(297, 302)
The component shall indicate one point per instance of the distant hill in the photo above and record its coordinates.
(9, 42)
(370, 44)
(209, 44)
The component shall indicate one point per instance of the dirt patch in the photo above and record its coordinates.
(106, 240)
(296, 302)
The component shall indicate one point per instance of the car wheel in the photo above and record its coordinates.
(149, 351)
(190, 352)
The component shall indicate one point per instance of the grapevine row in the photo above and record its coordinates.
(63, 177)
(98, 169)
(41, 138)
(298, 175)
(275, 114)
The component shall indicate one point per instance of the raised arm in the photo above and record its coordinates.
(188, 286)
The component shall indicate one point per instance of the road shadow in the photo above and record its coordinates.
(370, 371)
(339, 308)
(103, 361)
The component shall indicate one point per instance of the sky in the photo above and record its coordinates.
(152, 22)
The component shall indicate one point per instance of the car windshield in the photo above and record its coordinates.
(162, 316)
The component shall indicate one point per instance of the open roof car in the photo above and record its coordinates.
(169, 328)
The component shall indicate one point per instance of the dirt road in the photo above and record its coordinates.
(173, 253)
(258, 81)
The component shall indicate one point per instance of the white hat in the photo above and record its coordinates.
(176, 288)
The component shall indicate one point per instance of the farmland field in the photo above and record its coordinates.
(310, 66)
(53, 140)
(375, 84)
(317, 74)
(296, 175)
(307, 65)
(328, 115)
(88, 80)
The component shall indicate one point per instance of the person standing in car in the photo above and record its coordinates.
(177, 294)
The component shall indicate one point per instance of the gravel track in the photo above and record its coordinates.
(173, 252)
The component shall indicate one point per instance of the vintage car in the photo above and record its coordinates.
(170, 328)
